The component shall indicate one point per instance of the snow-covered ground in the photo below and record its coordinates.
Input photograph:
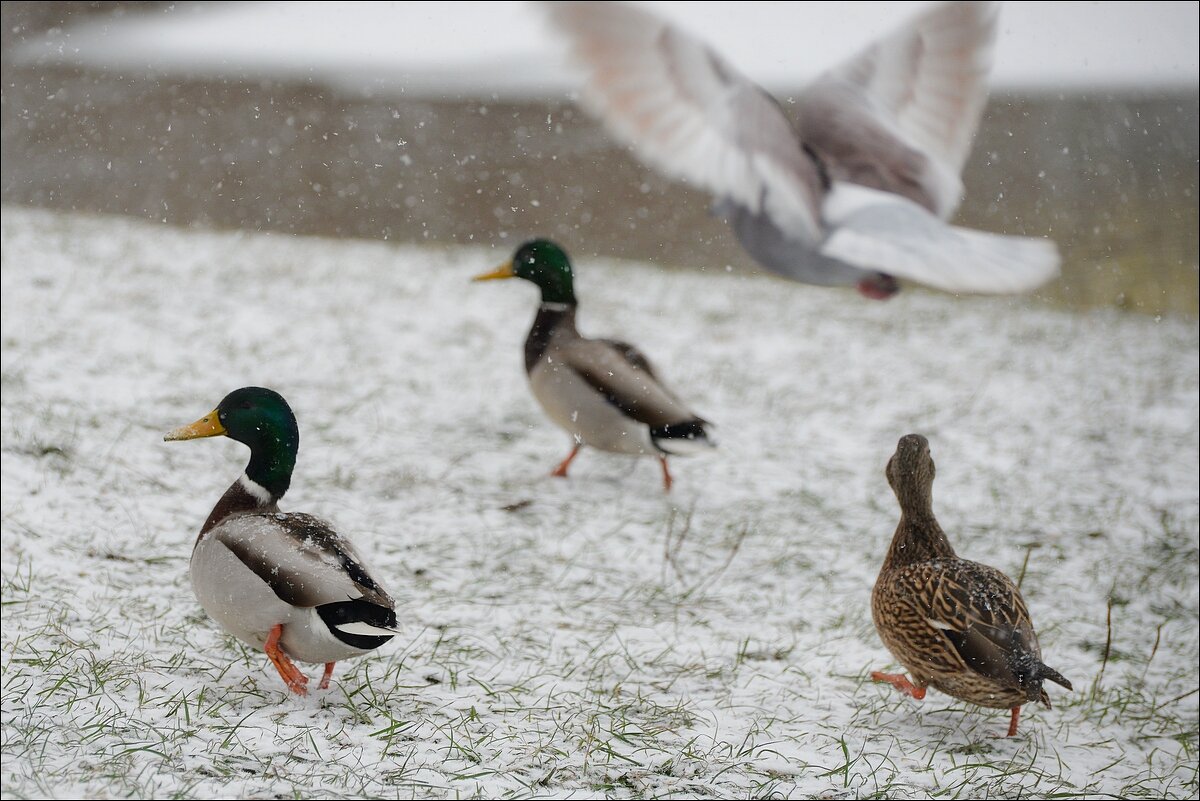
(590, 636)
(481, 48)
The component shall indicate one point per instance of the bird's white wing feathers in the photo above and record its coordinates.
(900, 117)
(690, 113)
(926, 81)
(881, 231)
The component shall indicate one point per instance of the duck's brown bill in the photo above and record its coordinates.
(503, 271)
(207, 426)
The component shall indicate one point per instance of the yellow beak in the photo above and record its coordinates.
(503, 271)
(207, 426)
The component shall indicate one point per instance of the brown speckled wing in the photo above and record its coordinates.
(959, 614)
(989, 625)
(972, 617)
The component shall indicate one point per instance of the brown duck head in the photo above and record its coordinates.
(910, 473)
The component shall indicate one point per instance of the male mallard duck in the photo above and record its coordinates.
(859, 190)
(603, 392)
(958, 626)
(283, 582)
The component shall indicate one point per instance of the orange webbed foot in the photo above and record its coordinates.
(901, 683)
(295, 680)
(1012, 723)
(324, 685)
(561, 470)
(667, 480)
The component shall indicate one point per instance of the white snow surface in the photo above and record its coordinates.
(504, 48)
(573, 638)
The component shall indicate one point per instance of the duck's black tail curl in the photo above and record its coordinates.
(359, 623)
(1046, 672)
(686, 436)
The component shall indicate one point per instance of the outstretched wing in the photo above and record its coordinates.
(690, 113)
(901, 115)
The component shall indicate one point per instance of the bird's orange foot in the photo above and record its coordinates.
(295, 680)
(901, 683)
(1012, 723)
(324, 685)
(878, 286)
(561, 470)
(667, 482)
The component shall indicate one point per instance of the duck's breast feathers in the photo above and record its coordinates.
(622, 375)
(304, 561)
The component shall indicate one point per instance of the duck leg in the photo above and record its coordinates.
(901, 683)
(667, 482)
(878, 286)
(561, 470)
(1012, 724)
(291, 675)
(324, 685)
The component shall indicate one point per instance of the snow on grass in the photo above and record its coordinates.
(589, 636)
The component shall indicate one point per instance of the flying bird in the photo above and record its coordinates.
(858, 190)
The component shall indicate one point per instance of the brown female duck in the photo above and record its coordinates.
(958, 626)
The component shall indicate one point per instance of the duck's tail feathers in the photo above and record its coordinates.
(882, 232)
(1045, 672)
(684, 437)
(364, 629)
(359, 623)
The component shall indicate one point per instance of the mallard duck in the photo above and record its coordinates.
(958, 626)
(858, 191)
(602, 392)
(282, 582)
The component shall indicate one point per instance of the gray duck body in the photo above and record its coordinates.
(257, 567)
(285, 583)
(604, 392)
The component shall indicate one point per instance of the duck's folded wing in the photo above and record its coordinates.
(304, 561)
(884, 232)
(631, 354)
(623, 382)
(981, 614)
(690, 113)
(919, 91)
